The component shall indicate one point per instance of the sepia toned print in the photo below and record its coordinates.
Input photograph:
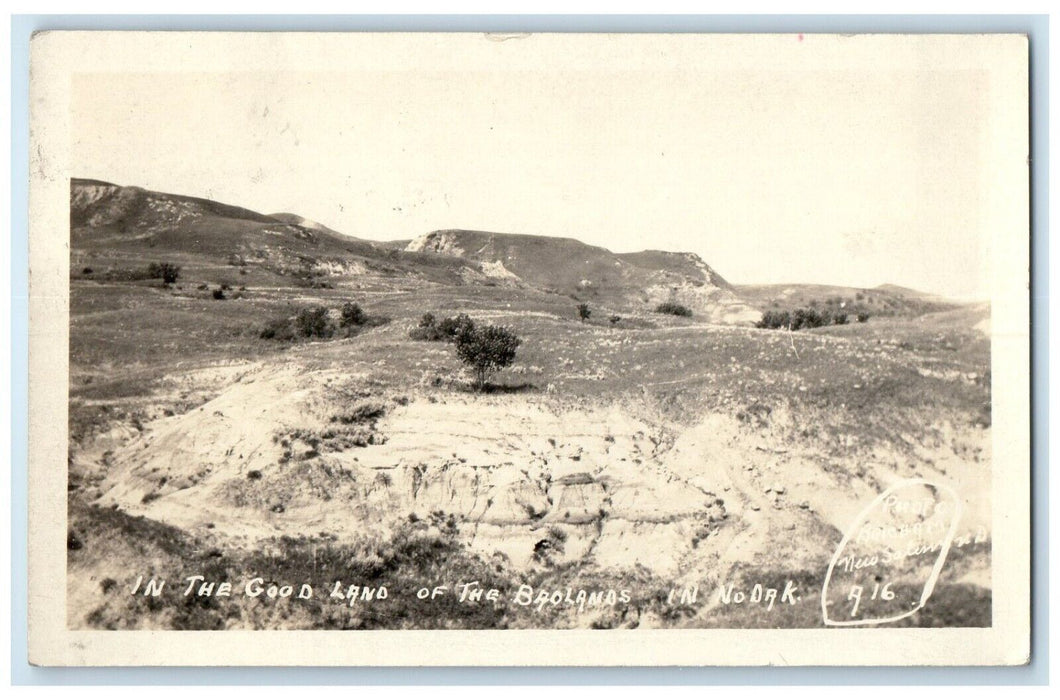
(554, 335)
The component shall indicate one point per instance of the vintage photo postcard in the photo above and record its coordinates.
(543, 349)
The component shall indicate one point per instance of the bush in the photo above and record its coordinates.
(862, 317)
(584, 312)
(218, 294)
(167, 272)
(614, 320)
(774, 319)
(316, 322)
(453, 328)
(485, 350)
(427, 330)
(365, 413)
(803, 318)
(807, 318)
(673, 309)
(278, 329)
(447, 329)
(352, 315)
(312, 322)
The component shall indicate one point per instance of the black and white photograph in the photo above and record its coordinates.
(520, 332)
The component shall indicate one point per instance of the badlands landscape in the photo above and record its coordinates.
(253, 400)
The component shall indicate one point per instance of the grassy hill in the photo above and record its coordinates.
(116, 231)
(884, 300)
(591, 273)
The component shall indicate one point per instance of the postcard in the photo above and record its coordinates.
(529, 349)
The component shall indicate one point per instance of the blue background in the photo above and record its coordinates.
(1036, 26)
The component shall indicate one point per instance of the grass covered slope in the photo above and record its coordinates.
(884, 300)
(591, 273)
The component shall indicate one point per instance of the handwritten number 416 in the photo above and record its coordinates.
(878, 593)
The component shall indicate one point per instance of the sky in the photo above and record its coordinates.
(856, 176)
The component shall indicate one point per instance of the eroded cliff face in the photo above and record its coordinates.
(290, 452)
(712, 304)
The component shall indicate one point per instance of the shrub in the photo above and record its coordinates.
(807, 318)
(774, 319)
(447, 329)
(427, 329)
(278, 329)
(352, 315)
(218, 294)
(312, 322)
(863, 316)
(457, 326)
(315, 322)
(614, 320)
(485, 350)
(673, 309)
(365, 413)
(804, 318)
(86, 271)
(167, 272)
(584, 312)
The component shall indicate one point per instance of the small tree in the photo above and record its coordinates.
(352, 315)
(775, 319)
(312, 322)
(486, 350)
(167, 272)
(584, 312)
(455, 326)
